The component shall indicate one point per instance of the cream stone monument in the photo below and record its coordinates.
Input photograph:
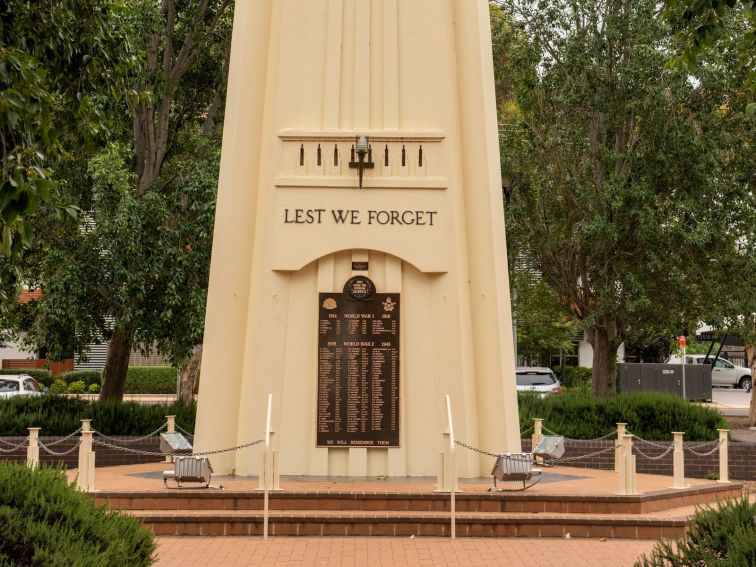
(359, 267)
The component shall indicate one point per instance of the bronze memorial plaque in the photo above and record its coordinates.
(358, 367)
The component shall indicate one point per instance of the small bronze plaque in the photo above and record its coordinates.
(359, 266)
(360, 288)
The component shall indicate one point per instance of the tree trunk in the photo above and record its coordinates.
(188, 376)
(116, 365)
(604, 343)
(751, 355)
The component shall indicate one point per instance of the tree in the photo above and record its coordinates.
(135, 271)
(617, 168)
(703, 26)
(56, 58)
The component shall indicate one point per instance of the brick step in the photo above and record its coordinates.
(348, 523)
(420, 502)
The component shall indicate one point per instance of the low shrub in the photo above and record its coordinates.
(77, 387)
(58, 387)
(41, 375)
(44, 521)
(575, 377)
(651, 415)
(86, 376)
(139, 379)
(722, 536)
(151, 380)
(60, 415)
(94, 389)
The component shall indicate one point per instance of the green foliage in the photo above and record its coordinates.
(93, 388)
(649, 415)
(58, 387)
(44, 377)
(58, 60)
(151, 380)
(139, 269)
(43, 521)
(704, 27)
(59, 415)
(76, 387)
(625, 178)
(724, 536)
(87, 376)
(575, 377)
(139, 380)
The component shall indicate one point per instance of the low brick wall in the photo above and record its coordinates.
(741, 458)
(104, 456)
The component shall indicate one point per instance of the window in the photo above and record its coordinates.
(535, 378)
(9, 386)
(31, 386)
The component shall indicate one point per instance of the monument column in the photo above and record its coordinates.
(359, 269)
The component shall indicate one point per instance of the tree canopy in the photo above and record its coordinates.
(619, 166)
(133, 268)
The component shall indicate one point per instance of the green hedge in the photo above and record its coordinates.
(722, 536)
(650, 415)
(42, 376)
(44, 521)
(86, 376)
(139, 380)
(58, 415)
(151, 380)
(575, 377)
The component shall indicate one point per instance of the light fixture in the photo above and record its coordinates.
(364, 150)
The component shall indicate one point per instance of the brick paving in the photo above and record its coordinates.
(398, 552)
(355, 551)
(146, 478)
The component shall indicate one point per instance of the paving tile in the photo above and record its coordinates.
(396, 552)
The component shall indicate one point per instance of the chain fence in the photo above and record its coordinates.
(550, 462)
(706, 454)
(10, 448)
(184, 431)
(46, 449)
(658, 457)
(161, 454)
(63, 439)
(602, 438)
(524, 432)
(131, 440)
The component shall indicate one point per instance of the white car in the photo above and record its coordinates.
(724, 372)
(538, 380)
(12, 385)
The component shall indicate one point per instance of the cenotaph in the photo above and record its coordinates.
(359, 266)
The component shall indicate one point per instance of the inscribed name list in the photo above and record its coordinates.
(358, 371)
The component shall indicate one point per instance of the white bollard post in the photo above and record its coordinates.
(442, 482)
(85, 481)
(629, 464)
(622, 466)
(678, 461)
(453, 470)
(170, 428)
(620, 432)
(275, 478)
(32, 451)
(266, 465)
(724, 472)
(535, 439)
(626, 466)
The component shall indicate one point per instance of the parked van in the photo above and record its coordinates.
(724, 372)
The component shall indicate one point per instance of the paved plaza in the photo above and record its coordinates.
(385, 552)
